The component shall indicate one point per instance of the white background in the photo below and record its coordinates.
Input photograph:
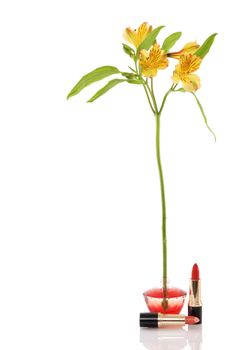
(79, 192)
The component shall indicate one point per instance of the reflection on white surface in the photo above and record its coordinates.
(172, 339)
(195, 337)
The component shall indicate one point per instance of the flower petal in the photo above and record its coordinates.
(130, 35)
(143, 55)
(163, 63)
(190, 47)
(149, 72)
(189, 63)
(195, 63)
(142, 32)
(152, 60)
(137, 36)
(175, 77)
(191, 82)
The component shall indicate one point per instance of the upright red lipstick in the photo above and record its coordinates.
(195, 305)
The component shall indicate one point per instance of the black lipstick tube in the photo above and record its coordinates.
(153, 320)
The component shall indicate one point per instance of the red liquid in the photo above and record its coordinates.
(175, 298)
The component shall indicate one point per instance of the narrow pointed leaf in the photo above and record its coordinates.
(203, 114)
(110, 85)
(150, 39)
(180, 90)
(170, 41)
(128, 50)
(133, 70)
(134, 81)
(106, 88)
(205, 47)
(92, 77)
(129, 75)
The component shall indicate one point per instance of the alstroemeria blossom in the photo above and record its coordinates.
(190, 47)
(153, 60)
(137, 36)
(184, 72)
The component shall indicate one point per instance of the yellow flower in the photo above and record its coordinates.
(190, 47)
(152, 60)
(183, 72)
(137, 36)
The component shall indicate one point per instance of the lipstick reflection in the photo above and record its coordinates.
(172, 339)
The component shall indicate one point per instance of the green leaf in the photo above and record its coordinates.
(128, 50)
(150, 39)
(134, 81)
(203, 114)
(110, 85)
(133, 70)
(92, 77)
(131, 78)
(180, 90)
(129, 75)
(170, 41)
(204, 49)
(107, 87)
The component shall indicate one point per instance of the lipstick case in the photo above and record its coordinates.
(153, 320)
(195, 304)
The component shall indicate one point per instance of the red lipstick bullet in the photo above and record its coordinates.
(195, 273)
(195, 305)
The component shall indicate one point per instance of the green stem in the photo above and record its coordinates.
(153, 97)
(165, 98)
(162, 187)
(163, 200)
(145, 86)
(157, 113)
